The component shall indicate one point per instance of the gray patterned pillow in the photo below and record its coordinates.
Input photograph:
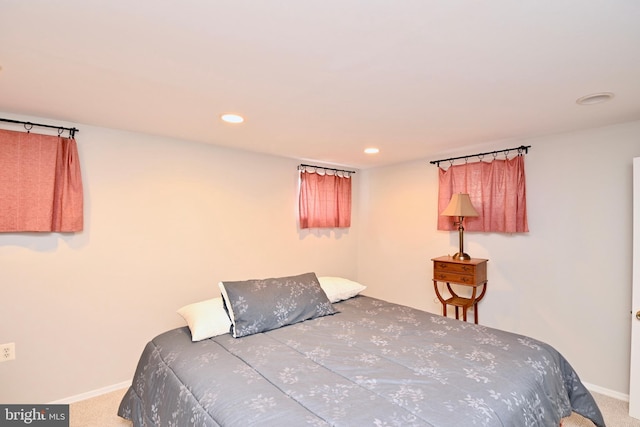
(261, 305)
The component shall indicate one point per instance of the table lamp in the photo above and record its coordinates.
(460, 206)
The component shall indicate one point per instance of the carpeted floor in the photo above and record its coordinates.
(614, 411)
(101, 412)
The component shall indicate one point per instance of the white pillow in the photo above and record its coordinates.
(338, 288)
(206, 319)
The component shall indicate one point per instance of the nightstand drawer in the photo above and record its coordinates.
(443, 276)
(454, 267)
(471, 272)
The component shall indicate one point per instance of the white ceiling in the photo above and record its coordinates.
(322, 80)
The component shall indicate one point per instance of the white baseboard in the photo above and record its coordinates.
(90, 394)
(607, 392)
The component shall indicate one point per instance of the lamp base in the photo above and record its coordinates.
(462, 256)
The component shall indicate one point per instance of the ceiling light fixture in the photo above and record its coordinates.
(232, 118)
(595, 98)
(371, 150)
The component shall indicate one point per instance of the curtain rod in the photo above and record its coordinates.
(29, 125)
(521, 149)
(322, 167)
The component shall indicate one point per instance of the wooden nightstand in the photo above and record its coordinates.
(472, 273)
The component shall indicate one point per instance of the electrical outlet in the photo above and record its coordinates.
(7, 352)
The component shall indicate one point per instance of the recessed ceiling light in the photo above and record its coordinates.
(232, 118)
(371, 150)
(595, 98)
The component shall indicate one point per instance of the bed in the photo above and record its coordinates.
(359, 361)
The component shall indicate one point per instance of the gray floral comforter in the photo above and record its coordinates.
(372, 364)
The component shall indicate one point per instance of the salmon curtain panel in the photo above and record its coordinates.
(497, 191)
(40, 183)
(325, 200)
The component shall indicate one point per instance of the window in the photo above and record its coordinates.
(497, 191)
(40, 183)
(325, 198)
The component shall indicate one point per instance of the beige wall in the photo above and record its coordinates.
(566, 282)
(165, 221)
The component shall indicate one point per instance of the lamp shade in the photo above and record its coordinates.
(460, 205)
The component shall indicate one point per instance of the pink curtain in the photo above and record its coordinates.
(40, 183)
(325, 200)
(497, 191)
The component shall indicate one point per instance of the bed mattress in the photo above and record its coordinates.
(373, 363)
